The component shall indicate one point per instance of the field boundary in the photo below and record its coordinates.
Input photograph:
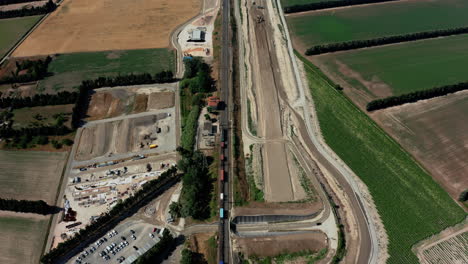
(26, 35)
(375, 42)
(330, 4)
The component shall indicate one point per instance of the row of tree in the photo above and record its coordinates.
(329, 4)
(10, 132)
(154, 254)
(39, 100)
(357, 44)
(25, 206)
(130, 79)
(33, 11)
(149, 191)
(36, 70)
(82, 100)
(415, 96)
(10, 2)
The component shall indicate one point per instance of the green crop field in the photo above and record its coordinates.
(411, 204)
(373, 21)
(70, 69)
(22, 239)
(11, 30)
(405, 67)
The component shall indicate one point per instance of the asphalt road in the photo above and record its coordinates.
(225, 88)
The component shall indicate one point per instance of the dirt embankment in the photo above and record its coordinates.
(275, 245)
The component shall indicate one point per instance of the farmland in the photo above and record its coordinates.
(31, 175)
(41, 115)
(22, 239)
(374, 21)
(13, 29)
(285, 3)
(432, 132)
(416, 207)
(68, 70)
(82, 25)
(383, 71)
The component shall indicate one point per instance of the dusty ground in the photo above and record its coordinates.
(199, 244)
(112, 102)
(257, 208)
(266, 83)
(83, 25)
(22, 238)
(434, 131)
(125, 135)
(275, 245)
(30, 175)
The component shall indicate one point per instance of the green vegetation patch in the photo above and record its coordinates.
(374, 21)
(405, 68)
(70, 69)
(22, 239)
(412, 206)
(51, 115)
(12, 29)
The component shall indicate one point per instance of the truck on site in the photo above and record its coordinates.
(221, 213)
(153, 146)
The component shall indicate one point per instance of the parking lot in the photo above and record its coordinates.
(129, 241)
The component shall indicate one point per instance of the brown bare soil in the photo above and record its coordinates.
(160, 100)
(257, 208)
(275, 245)
(83, 25)
(199, 244)
(435, 132)
(122, 136)
(118, 101)
(141, 103)
(104, 105)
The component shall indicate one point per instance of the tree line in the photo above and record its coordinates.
(9, 132)
(82, 100)
(415, 96)
(33, 11)
(329, 4)
(197, 186)
(357, 44)
(149, 191)
(25, 206)
(10, 2)
(60, 98)
(36, 70)
(154, 254)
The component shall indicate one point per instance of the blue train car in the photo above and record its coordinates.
(221, 213)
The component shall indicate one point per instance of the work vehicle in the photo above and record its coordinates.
(153, 146)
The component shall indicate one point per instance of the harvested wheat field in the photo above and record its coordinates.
(434, 131)
(31, 175)
(85, 25)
